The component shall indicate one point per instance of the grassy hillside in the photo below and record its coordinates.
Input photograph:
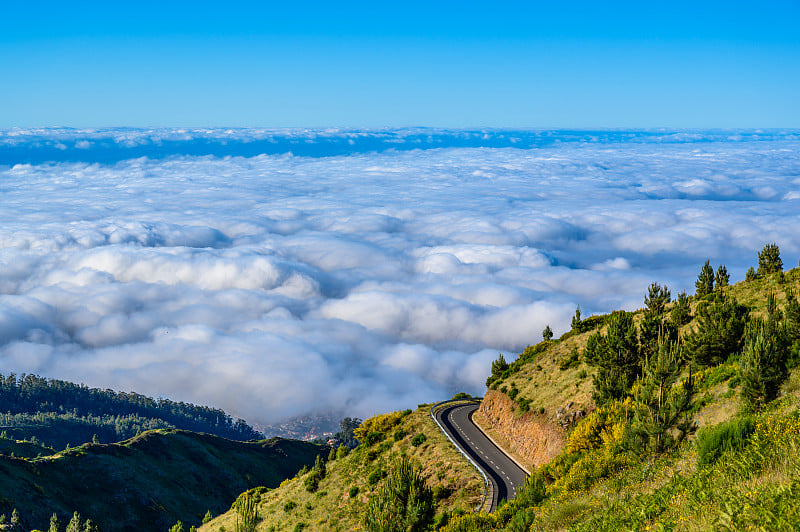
(148, 482)
(736, 469)
(740, 470)
(351, 480)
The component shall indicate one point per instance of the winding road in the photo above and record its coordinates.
(505, 476)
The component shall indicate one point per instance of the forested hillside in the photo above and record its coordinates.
(58, 413)
(146, 483)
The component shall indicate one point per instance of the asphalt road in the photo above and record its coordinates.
(502, 472)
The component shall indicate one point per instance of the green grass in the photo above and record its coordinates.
(737, 473)
(350, 482)
(148, 482)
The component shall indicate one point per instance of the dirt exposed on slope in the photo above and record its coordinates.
(531, 438)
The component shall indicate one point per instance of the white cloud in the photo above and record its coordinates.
(277, 285)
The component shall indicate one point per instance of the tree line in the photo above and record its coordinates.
(58, 413)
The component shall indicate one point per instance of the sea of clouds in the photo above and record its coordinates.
(378, 272)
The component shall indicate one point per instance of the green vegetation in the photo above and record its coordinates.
(61, 413)
(154, 479)
(718, 332)
(633, 462)
(617, 357)
(705, 281)
(769, 260)
(352, 481)
(404, 502)
(729, 436)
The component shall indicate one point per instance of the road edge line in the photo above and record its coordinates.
(487, 486)
(505, 452)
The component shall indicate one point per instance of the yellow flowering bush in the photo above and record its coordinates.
(381, 423)
(601, 428)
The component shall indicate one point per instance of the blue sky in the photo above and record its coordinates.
(393, 64)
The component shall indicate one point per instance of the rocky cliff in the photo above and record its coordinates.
(532, 438)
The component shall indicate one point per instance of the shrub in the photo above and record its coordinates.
(441, 492)
(728, 436)
(385, 446)
(381, 424)
(513, 392)
(375, 477)
(342, 451)
(399, 434)
(524, 404)
(405, 502)
(499, 367)
(372, 438)
(289, 506)
(418, 440)
(353, 491)
(570, 361)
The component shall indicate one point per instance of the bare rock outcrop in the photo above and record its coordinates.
(532, 438)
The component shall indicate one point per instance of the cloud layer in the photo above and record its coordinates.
(279, 285)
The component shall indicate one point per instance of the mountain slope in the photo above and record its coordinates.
(148, 482)
(340, 498)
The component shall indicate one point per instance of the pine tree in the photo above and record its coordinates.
(657, 299)
(55, 525)
(576, 319)
(664, 406)
(719, 331)
(681, 312)
(404, 502)
(15, 519)
(74, 524)
(769, 260)
(547, 333)
(722, 278)
(653, 325)
(751, 274)
(792, 315)
(617, 356)
(177, 527)
(89, 526)
(762, 367)
(246, 513)
(705, 281)
(208, 517)
(499, 366)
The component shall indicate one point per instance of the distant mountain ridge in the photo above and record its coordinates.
(57, 413)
